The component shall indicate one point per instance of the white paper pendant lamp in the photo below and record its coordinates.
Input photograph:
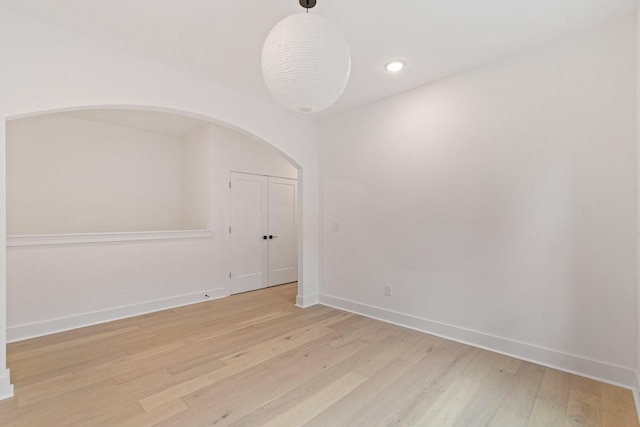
(306, 62)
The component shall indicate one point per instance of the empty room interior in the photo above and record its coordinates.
(323, 213)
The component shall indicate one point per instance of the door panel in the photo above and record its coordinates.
(283, 252)
(249, 200)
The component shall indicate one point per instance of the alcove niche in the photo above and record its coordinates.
(118, 212)
(104, 171)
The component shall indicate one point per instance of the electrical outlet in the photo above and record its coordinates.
(388, 290)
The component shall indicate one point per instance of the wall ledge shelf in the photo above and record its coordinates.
(83, 238)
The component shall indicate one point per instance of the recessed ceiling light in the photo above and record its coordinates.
(394, 66)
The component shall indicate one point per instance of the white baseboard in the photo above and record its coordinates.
(307, 301)
(6, 388)
(601, 371)
(636, 393)
(46, 327)
(636, 399)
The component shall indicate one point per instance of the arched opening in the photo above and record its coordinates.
(121, 266)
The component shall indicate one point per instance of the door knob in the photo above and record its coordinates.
(271, 236)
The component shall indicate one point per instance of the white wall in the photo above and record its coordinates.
(47, 69)
(235, 152)
(196, 179)
(500, 203)
(70, 175)
(637, 395)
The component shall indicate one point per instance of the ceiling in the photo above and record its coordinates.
(221, 40)
(144, 120)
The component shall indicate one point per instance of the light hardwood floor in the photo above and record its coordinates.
(257, 360)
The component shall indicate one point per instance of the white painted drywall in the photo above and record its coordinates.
(196, 179)
(499, 203)
(235, 152)
(70, 175)
(637, 391)
(47, 69)
(48, 283)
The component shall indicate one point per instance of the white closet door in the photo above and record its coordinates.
(249, 198)
(283, 252)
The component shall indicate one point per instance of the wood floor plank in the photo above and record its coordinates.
(256, 359)
(155, 416)
(617, 407)
(583, 408)
(446, 410)
(487, 399)
(545, 413)
(410, 390)
(239, 395)
(521, 395)
(368, 391)
(234, 363)
(318, 402)
(507, 418)
(433, 385)
(364, 363)
(555, 387)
